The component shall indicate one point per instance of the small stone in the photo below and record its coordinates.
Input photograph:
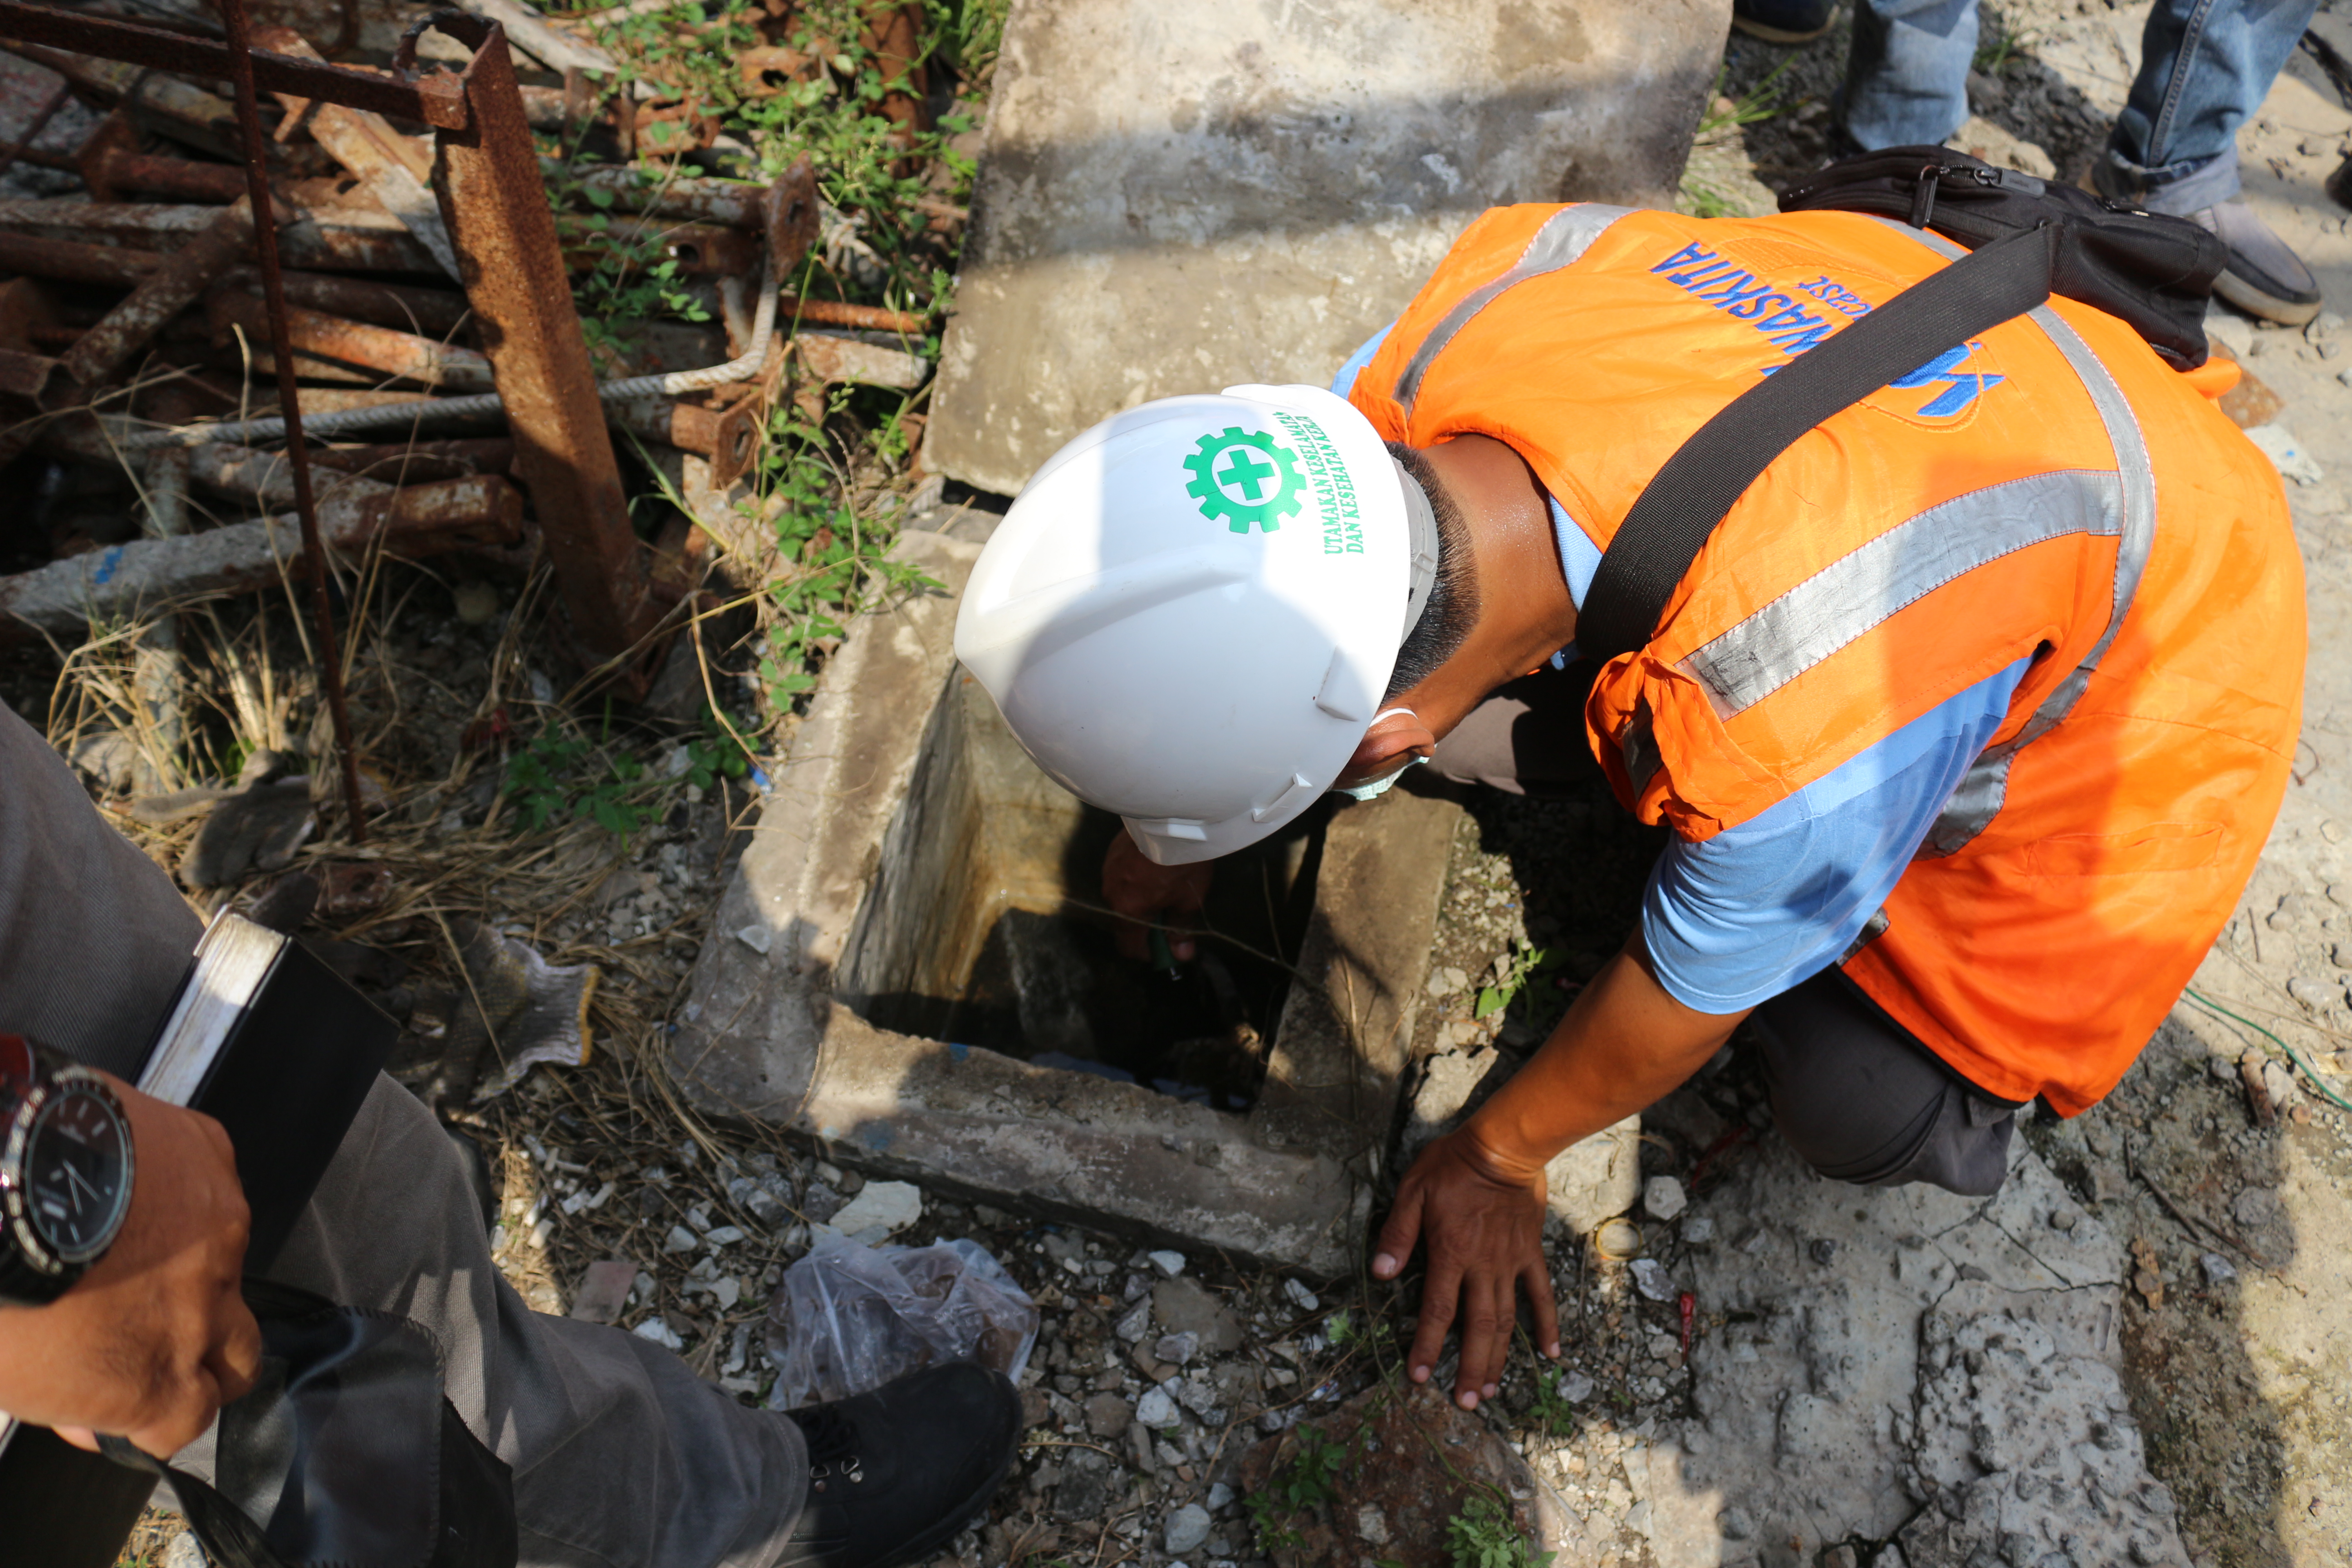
(185, 1552)
(1839, 1556)
(1736, 1524)
(660, 1333)
(1575, 1386)
(757, 938)
(887, 1206)
(2218, 1269)
(475, 602)
(725, 1236)
(681, 1239)
(1824, 1251)
(1157, 1409)
(2280, 1082)
(1698, 1231)
(2255, 1207)
(1169, 1264)
(829, 1173)
(1306, 1300)
(1650, 1279)
(1447, 982)
(1107, 1415)
(1663, 1197)
(1221, 1497)
(1135, 1321)
(1175, 1349)
(2063, 1219)
(1187, 1528)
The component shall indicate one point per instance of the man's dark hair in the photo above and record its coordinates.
(1452, 606)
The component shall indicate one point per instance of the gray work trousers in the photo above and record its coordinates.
(1851, 1090)
(622, 1457)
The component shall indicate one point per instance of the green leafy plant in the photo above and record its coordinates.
(1305, 1484)
(1483, 1536)
(561, 775)
(1526, 961)
(1547, 1409)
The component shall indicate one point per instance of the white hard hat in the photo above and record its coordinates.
(1191, 612)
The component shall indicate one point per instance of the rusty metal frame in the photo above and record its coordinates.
(435, 99)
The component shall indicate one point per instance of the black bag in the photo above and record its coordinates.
(2027, 240)
(345, 1453)
(2152, 271)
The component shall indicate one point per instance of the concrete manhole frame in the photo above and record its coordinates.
(767, 1036)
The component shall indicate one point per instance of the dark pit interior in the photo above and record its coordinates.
(983, 926)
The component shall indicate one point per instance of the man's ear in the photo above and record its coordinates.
(1393, 738)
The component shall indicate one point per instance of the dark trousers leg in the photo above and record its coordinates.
(1863, 1101)
(622, 1457)
(1851, 1091)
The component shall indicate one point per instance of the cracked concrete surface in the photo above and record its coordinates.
(1908, 1364)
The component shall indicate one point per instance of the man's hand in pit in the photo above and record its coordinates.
(1148, 894)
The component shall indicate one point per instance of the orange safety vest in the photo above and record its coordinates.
(2051, 488)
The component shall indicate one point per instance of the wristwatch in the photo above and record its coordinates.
(65, 1171)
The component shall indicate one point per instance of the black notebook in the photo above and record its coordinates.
(280, 1050)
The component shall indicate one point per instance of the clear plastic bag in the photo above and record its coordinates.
(849, 1318)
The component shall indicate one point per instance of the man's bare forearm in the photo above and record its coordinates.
(1626, 1044)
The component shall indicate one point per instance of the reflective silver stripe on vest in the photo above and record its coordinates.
(1985, 786)
(1870, 584)
(1563, 238)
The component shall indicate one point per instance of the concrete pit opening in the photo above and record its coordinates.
(913, 972)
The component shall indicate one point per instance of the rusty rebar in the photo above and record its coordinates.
(281, 349)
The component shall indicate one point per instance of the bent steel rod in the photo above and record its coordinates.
(281, 349)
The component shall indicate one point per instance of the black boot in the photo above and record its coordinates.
(894, 1474)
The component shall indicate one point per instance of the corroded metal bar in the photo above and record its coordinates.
(75, 262)
(335, 240)
(435, 313)
(124, 581)
(435, 99)
(132, 325)
(840, 313)
(732, 204)
(729, 437)
(440, 365)
(495, 202)
(329, 649)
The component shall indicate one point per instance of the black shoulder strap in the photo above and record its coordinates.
(1670, 521)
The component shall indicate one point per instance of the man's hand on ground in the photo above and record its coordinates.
(1149, 894)
(151, 1342)
(1485, 1231)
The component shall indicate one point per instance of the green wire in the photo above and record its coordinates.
(2296, 1057)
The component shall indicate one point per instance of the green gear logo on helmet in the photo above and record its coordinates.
(1245, 478)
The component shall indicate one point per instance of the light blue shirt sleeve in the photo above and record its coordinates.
(1772, 902)
(1346, 380)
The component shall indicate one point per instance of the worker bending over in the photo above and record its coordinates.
(1969, 721)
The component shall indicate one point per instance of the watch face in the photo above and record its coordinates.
(76, 1172)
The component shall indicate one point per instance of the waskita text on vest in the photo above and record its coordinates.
(1969, 718)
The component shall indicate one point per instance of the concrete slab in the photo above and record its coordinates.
(1172, 199)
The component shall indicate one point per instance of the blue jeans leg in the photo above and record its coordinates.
(2204, 67)
(1907, 82)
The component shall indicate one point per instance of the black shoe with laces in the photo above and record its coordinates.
(894, 1474)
